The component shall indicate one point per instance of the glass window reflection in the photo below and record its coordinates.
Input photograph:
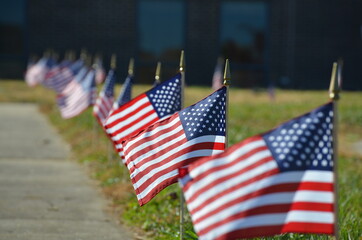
(243, 27)
(243, 40)
(160, 25)
(12, 20)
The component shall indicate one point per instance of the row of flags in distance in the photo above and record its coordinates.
(281, 181)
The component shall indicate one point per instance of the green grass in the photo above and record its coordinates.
(250, 113)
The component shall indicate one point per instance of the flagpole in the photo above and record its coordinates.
(227, 78)
(158, 73)
(110, 149)
(88, 63)
(339, 73)
(182, 71)
(131, 67)
(334, 90)
(182, 199)
(71, 55)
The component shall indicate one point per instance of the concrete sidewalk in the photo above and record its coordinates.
(43, 195)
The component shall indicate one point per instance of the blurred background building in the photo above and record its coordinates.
(286, 43)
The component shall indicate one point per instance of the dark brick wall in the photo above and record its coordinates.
(305, 37)
(202, 40)
(280, 42)
(97, 25)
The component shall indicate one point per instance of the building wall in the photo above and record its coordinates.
(202, 40)
(307, 36)
(304, 37)
(96, 25)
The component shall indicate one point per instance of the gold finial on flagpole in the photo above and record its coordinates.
(113, 61)
(89, 60)
(182, 61)
(83, 54)
(227, 76)
(131, 67)
(334, 86)
(66, 54)
(55, 55)
(339, 74)
(71, 55)
(158, 73)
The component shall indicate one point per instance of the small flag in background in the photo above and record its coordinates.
(37, 72)
(271, 91)
(217, 79)
(154, 156)
(105, 100)
(78, 95)
(55, 70)
(100, 73)
(278, 182)
(144, 110)
(82, 73)
(125, 94)
(59, 77)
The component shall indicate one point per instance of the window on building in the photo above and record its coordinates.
(243, 39)
(161, 36)
(12, 27)
(12, 30)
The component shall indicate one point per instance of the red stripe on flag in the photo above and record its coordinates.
(230, 151)
(170, 159)
(232, 189)
(129, 105)
(280, 188)
(235, 174)
(133, 123)
(270, 209)
(266, 231)
(148, 149)
(303, 227)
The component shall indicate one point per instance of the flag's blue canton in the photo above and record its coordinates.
(76, 67)
(125, 95)
(305, 142)
(64, 63)
(109, 84)
(50, 62)
(81, 74)
(89, 81)
(166, 97)
(207, 117)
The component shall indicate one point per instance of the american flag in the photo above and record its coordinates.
(82, 73)
(154, 156)
(144, 110)
(37, 72)
(125, 94)
(78, 95)
(100, 73)
(61, 75)
(217, 79)
(105, 99)
(274, 183)
(54, 71)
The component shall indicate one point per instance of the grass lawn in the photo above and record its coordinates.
(250, 113)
